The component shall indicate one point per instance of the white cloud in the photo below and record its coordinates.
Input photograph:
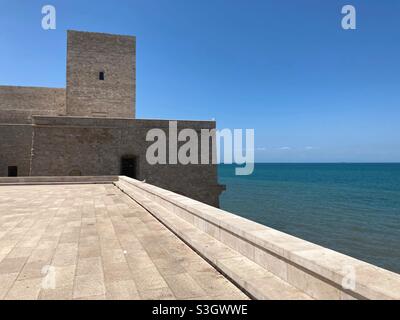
(285, 148)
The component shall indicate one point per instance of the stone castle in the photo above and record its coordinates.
(90, 128)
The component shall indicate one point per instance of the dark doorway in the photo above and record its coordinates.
(13, 171)
(128, 167)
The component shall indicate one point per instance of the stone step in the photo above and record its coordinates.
(53, 183)
(57, 180)
(253, 279)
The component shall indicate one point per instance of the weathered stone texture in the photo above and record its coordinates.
(100, 245)
(88, 54)
(15, 148)
(18, 104)
(96, 146)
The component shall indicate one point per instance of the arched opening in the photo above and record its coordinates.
(129, 166)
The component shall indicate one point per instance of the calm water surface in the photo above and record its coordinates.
(350, 208)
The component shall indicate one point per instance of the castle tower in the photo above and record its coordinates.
(101, 75)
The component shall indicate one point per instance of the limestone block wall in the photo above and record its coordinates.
(317, 271)
(63, 145)
(18, 104)
(15, 148)
(88, 54)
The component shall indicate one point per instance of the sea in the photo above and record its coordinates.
(352, 208)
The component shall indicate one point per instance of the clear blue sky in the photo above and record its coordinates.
(311, 90)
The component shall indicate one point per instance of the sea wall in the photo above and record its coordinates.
(317, 271)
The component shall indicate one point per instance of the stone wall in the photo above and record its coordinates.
(66, 145)
(18, 104)
(264, 262)
(88, 54)
(15, 148)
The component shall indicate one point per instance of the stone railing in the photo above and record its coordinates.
(317, 271)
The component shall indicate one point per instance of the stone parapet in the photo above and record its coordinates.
(57, 180)
(118, 122)
(315, 271)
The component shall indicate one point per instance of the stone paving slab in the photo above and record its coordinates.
(93, 242)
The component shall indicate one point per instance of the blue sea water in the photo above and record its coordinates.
(350, 208)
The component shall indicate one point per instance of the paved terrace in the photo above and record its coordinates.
(119, 238)
(102, 245)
